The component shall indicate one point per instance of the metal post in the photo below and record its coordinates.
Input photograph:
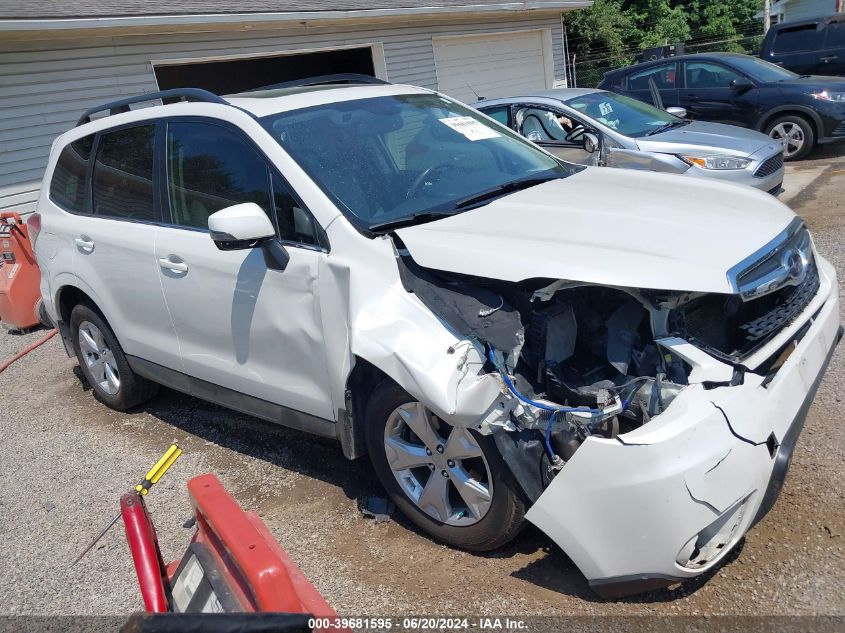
(767, 16)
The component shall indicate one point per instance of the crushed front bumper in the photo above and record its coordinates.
(668, 501)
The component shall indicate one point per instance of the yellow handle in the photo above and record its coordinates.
(159, 469)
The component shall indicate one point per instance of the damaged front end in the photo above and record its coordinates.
(648, 428)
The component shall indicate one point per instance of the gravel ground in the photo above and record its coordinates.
(66, 459)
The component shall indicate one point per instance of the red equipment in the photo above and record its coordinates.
(20, 278)
(233, 565)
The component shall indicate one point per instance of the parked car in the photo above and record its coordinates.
(624, 362)
(808, 47)
(799, 111)
(598, 127)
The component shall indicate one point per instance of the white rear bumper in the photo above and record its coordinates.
(632, 511)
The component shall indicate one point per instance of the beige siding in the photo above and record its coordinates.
(45, 84)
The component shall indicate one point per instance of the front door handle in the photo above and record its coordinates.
(173, 263)
(84, 243)
(829, 58)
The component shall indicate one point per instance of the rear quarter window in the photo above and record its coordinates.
(67, 187)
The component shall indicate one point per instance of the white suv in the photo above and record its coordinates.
(623, 358)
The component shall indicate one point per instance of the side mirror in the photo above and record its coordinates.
(240, 226)
(591, 142)
(741, 84)
(679, 112)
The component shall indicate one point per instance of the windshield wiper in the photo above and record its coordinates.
(666, 126)
(484, 197)
(410, 220)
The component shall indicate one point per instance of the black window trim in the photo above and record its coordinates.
(322, 238)
(715, 62)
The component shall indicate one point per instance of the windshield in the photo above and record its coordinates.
(407, 157)
(760, 70)
(625, 115)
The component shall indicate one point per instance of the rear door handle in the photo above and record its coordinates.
(173, 263)
(85, 243)
(829, 58)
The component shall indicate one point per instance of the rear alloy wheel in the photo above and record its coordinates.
(795, 134)
(450, 481)
(103, 362)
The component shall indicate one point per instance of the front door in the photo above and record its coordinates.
(556, 132)
(240, 324)
(708, 94)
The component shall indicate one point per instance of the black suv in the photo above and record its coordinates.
(800, 111)
(808, 47)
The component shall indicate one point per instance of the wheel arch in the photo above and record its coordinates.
(796, 110)
(360, 383)
(66, 298)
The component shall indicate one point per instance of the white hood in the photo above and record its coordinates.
(607, 226)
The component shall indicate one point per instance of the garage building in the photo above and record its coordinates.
(59, 59)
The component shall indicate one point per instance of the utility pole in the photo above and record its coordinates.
(767, 15)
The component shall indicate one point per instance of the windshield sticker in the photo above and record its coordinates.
(469, 127)
(605, 108)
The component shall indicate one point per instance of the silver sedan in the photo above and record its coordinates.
(598, 127)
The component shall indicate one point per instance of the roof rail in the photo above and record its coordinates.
(321, 80)
(122, 105)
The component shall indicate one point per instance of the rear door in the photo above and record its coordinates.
(241, 325)
(707, 94)
(798, 48)
(833, 55)
(114, 243)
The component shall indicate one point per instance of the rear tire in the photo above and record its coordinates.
(103, 362)
(477, 506)
(795, 132)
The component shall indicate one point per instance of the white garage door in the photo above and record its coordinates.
(470, 67)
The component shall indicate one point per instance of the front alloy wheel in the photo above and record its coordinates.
(450, 481)
(441, 468)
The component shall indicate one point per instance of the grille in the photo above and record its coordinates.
(839, 130)
(770, 166)
(732, 329)
(783, 314)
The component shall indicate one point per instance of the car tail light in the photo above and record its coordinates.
(33, 223)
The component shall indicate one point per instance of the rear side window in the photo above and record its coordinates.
(835, 35)
(665, 77)
(210, 168)
(795, 39)
(499, 114)
(67, 188)
(123, 174)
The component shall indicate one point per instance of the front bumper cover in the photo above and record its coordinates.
(667, 502)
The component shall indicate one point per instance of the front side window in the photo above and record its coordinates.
(543, 125)
(707, 75)
(627, 116)
(664, 76)
(123, 174)
(67, 188)
(404, 156)
(209, 168)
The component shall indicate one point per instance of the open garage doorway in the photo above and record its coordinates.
(236, 74)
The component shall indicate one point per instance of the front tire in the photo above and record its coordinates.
(104, 364)
(450, 482)
(795, 133)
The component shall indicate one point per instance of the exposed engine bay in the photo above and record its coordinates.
(580, 359)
